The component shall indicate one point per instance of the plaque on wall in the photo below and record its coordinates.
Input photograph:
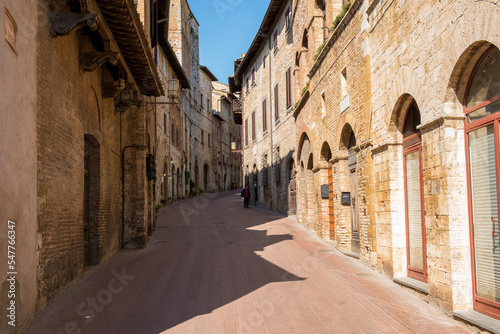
(324, 191)
(346, 198)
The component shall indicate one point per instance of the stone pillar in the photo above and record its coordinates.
(322, 214)
(135, 183)
(389, 209)
(342, 212)
(446, 207)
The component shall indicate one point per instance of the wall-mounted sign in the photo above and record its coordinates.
(324, 191)
(10, 30)
(346, 198)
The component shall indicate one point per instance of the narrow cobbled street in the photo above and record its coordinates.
(214, 267)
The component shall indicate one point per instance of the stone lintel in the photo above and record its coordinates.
(384, 147)
(438, 122)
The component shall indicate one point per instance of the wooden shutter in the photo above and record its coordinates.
(288, 88)
(246, 132)
(264, 115)
(253, 125)
(276, 102)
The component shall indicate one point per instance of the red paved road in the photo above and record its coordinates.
(214, 267)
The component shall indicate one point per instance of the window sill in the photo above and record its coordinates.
(413, 284)
(480, 320)
(290, 108)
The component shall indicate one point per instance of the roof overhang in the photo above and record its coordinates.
(262, 34)
(122, 18)
(209, 73)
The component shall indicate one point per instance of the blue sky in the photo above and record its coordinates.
(227, 28)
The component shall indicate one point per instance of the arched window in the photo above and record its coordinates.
(482, 108)
(414, 196)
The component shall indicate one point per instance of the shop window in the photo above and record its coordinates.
(414, 196)
(482, 108)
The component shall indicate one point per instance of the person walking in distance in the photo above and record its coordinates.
(246, 196)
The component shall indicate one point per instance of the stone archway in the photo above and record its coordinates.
(306, 205)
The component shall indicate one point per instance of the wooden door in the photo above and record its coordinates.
(292, 209)
(330, 203)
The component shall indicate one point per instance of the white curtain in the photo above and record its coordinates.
(414, 208)
(485, 206)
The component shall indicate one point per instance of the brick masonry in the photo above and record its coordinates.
(360, 83)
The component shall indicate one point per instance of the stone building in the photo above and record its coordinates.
(76, 181)
(226, 138)
(395, 141)
(264, 77)
(206, 151)
(183, 36)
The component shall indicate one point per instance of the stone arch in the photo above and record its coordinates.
(306, 203)
(398, 115)
(461, 75)
(346, 134)
(326, 152)
(305, 41)
(468, 41)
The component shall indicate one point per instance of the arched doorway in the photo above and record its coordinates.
(306, 205)
(91, 197)
(196, 171)
(292, 188)
(353, 186)
(205, 177)
(326, 156)
(174, 181)
(164, 188)
(482, 128)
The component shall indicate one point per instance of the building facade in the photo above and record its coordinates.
(395, 129)
(76, 185)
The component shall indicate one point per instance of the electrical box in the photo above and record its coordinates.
(346, 198)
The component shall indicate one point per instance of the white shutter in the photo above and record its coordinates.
(414, 209)
(484, 206)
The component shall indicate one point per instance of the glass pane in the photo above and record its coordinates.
(484, 111)
(486, 82)
(485, 206)
(414, 209)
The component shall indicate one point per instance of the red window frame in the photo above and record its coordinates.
(415, 273)
(483, 305)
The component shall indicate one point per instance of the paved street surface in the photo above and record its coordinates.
(214, 267)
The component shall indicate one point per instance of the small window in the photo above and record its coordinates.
(264, 61)
(172, 135)
(323, 104)
(164, 123)
(209, 142)
(343, 82)
(275, 40)
(264, 115)
(276, 103)
(253, 76)
(202, 136)
(202, 106)
(289, 88)
(246, 132)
